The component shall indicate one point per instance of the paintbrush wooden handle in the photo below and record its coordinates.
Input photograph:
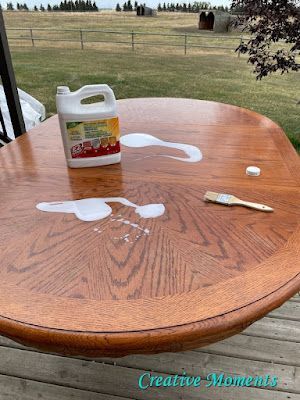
(255, 206)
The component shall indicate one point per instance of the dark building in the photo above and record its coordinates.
(215, 20)
(143, 11)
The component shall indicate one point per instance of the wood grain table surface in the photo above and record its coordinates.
(204, 271)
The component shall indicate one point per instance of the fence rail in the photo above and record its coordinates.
(31, 34)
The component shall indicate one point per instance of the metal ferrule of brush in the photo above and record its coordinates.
(223, 198)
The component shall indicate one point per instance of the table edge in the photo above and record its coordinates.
(175, 338)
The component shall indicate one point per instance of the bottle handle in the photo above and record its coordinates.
(94, 90)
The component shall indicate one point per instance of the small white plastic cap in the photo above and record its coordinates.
(62, 90)
(253, 171)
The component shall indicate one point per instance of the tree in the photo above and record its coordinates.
(42, 8)
(202, 5)
(270, 22)
(118, 8)
(129, 6)
(10, 6)
(49, 8)
(135, 5)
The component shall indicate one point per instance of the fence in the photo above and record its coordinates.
(132, 39)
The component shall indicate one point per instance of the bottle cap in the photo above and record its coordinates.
(253, 171)
(62, 90)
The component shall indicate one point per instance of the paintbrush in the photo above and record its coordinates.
(230, 200)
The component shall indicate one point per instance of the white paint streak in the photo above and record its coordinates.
(144, 140)
(93, 209)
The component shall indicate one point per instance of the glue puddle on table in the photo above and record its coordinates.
(94, 209)
(144, 140)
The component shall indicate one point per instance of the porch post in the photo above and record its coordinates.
(9, 83)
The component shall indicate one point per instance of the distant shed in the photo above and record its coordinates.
(215, 20)
(143, 11)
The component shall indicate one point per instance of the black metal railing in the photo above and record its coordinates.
(3, 133)
(10, 88)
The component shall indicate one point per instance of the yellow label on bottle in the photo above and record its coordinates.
(93, 138)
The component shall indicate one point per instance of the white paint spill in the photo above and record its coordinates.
(131, 237)
(144, 140)
(144, 230)
(93, 209)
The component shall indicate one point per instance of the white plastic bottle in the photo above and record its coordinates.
(90, 132)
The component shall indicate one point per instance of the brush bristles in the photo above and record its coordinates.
(211, 196)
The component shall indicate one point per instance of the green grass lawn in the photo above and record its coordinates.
(210, 75)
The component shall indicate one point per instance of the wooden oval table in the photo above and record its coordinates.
(199, 273)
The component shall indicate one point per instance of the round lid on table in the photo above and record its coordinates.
(253, 171)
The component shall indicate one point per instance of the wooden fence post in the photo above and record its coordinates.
(132, 41)
(31, 37)
(241, 41)
(81, 39)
